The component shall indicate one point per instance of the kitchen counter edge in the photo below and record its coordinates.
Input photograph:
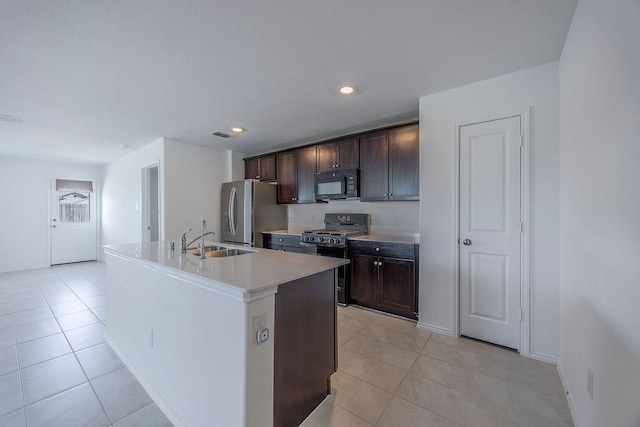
(232, 276)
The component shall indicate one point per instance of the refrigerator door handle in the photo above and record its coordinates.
(232, 210)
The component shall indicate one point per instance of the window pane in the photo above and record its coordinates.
(74, 206)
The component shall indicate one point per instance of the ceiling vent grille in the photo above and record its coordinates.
(221, 134)
(9, 119)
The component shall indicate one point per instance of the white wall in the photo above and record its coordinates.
(121, 221)
(395, 218)
(439, 114)
(193, 178)
(600, 212)
(24, 223)
(190, 180)
(122, 194)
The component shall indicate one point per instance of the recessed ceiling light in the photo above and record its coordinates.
(346, 89)
(237, 129)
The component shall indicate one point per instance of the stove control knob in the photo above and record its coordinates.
(310, 239)
(331, 241)
(337, 240)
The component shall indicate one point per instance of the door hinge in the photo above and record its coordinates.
(521, 315)
(521, 227)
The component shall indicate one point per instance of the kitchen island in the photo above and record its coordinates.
(187, 328)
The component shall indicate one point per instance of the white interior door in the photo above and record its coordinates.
(73, 221)
(490, 231)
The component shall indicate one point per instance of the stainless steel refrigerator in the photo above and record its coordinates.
(248, 208)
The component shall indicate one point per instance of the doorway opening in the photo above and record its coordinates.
(151, 203)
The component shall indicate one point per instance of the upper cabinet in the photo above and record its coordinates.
(296, 170)
(262, 168)
(389, 165)
(342, 154)
(388, 161)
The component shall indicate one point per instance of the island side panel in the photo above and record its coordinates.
(195, 366)
(305, 346)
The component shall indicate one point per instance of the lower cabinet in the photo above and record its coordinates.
(283, 242)
(384, 277)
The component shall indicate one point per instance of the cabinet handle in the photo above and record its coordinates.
(282, 240)
(375, 262)
(386, 194)
(377, 249)
(380, 264)
(257, 176)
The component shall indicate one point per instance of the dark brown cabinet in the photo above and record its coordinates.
(342, 154)
(282, 242)
(296, 170)
(384, 276)
(262, 168)
(389, 165)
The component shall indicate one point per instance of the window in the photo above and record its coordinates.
(74, 206)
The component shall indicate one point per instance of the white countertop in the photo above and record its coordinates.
(240, 275)
(291, 231)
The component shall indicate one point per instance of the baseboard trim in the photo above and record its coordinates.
(567, 391)
(543, 358)
(436, 329)
(157, 398)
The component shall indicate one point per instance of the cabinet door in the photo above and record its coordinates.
(404, 160)
(398, 290)
(287, 190)
(306, 170)
(364, 279)
(348, 152)
(374, 166)
(267, 168)
(327, 157)
(251, 169)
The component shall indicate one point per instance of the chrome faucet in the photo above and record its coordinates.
(202, 251)
(201, 248)
(183, 242)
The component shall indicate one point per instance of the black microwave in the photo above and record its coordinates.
(337, 185)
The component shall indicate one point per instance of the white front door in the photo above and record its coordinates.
(490, 231)
(72, 222)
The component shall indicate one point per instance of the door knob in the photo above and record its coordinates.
(466, 242)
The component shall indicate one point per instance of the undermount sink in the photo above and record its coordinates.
(218, 251)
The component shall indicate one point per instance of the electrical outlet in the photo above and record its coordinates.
(150, 338)
(262, 335)
(590, 382)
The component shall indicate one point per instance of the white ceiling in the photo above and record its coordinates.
(85, 77)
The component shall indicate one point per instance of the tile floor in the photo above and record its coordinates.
(55, 368)
(393, 374)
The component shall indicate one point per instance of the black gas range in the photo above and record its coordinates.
(332, 241)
